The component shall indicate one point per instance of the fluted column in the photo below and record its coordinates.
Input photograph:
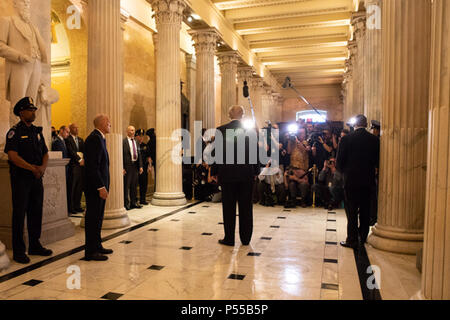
(406, 65)
(191, 92)
(168, 16)
(359, 23)
(244, 74)
(256, 94)
(275, 113)
(205, 42)
(436, 256)
(228, 67)
(372, 62)
(105, 95)
(348, 85)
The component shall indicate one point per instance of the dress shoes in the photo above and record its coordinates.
(105, 251)
(346, 244)
(226, 243)
(145, 203)
(95, 257)
(136, 206)
(21, 258)
(79, 210)
(40, 251)
(127, 208)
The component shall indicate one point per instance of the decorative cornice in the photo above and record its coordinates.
(255, 3)
(228, 61)
(245, 73)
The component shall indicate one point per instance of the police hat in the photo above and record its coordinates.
(375, 124)
(24, 104)
(139, 132)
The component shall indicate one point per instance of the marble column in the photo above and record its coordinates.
(205, 43)
(403, 163)
(436, 256)
(359, 23)
(191, 70)
(105, 95)
(244, 74)
(168, 15)
(275, 112)
(256, 94)
(228, 68)
(372, 63)
(348, 83)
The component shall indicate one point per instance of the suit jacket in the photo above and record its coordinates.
(234, 172)
(127, 154)
(72, 150)
(14, 42)
(357, 157)
(58, 145)
(96, 162)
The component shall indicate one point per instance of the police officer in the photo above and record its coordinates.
(143, 178)
(376, 126)
(28, 157)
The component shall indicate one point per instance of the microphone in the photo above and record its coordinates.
(246, 94)
(287, 83)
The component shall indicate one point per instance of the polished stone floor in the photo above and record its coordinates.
(294, 254)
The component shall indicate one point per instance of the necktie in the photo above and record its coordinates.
(76, 142)
(134, 150)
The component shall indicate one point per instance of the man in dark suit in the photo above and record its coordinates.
(59, 144)
(132, 168)
(357, 159)
(235, 177)
(97, 170)
(75, 149)
(145, 156)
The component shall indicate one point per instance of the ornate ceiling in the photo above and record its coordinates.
(304, 39)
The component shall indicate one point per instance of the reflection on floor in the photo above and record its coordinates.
(294, 254)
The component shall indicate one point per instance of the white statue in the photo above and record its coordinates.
(24, 50)
(4, 260)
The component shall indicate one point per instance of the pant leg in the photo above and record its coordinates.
(77, 186)
(261, 189)
(351, 209)
(126, 186)
(34, 213)
(93, 220)
(143, 182)
(304, 190)
(293, 190)
(133, 185)
(245, 211)
(229, 198)
(21, 192)
(281, 193)
(364, 213)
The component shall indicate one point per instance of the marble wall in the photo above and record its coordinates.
(323, 98)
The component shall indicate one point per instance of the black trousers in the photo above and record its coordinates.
(130, 183)
(76, 187)
(143, 184)
(357, 203)
(27, 200)
(95, 211)
(240, 193)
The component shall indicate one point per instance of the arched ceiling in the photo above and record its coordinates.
(304, 39)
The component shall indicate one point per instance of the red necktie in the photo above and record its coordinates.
(134, 150)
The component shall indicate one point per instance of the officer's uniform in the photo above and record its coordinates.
(27, 191)
(143, 178)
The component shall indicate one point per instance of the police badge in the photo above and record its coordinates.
(11, 134)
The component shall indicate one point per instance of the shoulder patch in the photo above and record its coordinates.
(11, 134)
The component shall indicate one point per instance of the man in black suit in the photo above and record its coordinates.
(145, 156)
(75, 148)
(357, 159)
(97, 171)
(235, 177)
(59, 144)
(132, 168)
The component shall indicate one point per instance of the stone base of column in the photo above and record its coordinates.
(418, 296)
(113, 219)
(396, 241)
(163, 199)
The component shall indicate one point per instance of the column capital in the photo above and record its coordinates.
(205, 40)
(358, 21)
(228, 57)
(352, 48)
(168, 11)
(245, 73)
(256, 83)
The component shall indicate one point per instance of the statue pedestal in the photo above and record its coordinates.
(56, 225)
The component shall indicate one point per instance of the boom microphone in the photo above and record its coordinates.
(246, 94)
(287, 83)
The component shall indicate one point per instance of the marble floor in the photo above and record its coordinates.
(172, 253)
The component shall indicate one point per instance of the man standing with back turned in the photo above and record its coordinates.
(235, 179)
(96, 161)
(357, 159)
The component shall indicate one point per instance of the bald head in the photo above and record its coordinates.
(131, 131)
(102, 123)
(236, 112)
(73, 129)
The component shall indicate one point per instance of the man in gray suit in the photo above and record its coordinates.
(24, 50)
